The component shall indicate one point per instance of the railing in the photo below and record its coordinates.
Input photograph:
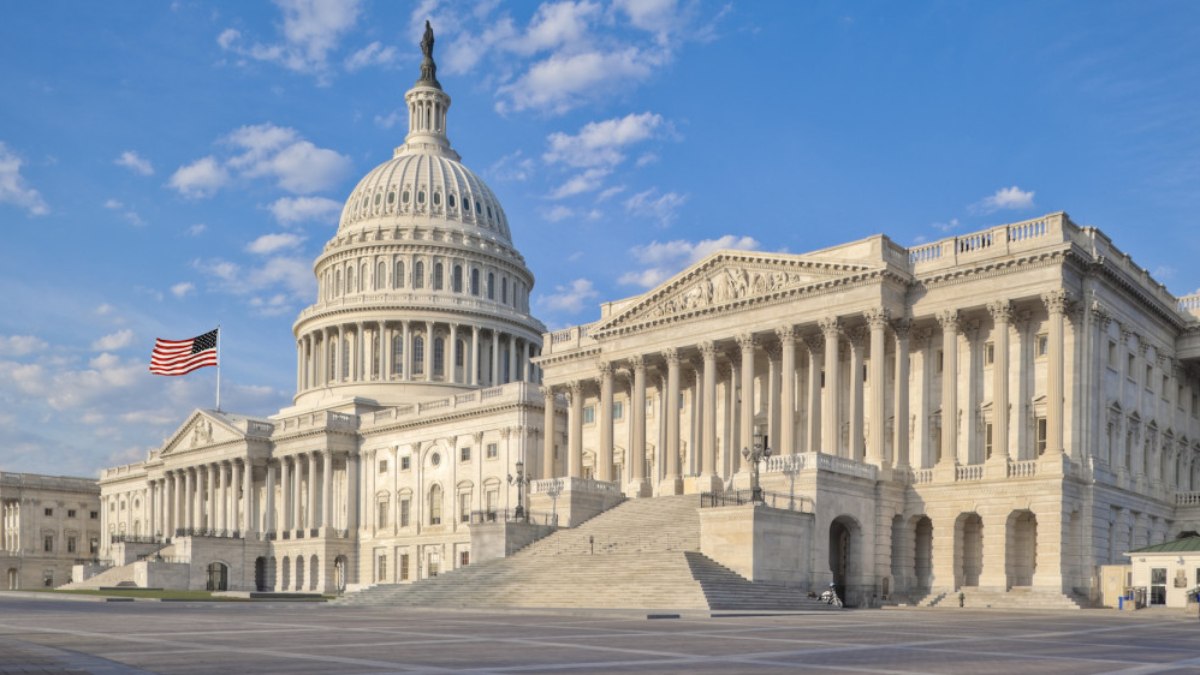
(968, 472)
(993, 241)
(135, 539)
(775, 500)
(154, 557)
(102, 562)
(924, 253)
(1189, 303)
(33, 480)
(510, 516)
(1187, 498)
(1022, 469)
(816, 460)
(522, 390)
(556, 486)
(201, 532)
(922, 476)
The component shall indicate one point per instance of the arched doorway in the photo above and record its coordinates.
(13, 579)
(285, 575)
(339, 574)
(1021, 548)
(299, 572)
(314, 573)
(968, 549)
(844, 557)
(260, 574)
(923, 553)
(218, 577)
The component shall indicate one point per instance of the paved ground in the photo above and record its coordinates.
(74, 637)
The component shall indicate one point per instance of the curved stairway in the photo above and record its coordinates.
(641, 554)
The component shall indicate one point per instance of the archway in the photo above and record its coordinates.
(218, 577)
(272, 571)
(13, 579)
(339, 573)
(314, 573)
(285, 574)
(1021, 548)
(968, 549)
(299, 572)
(923, 553)
(844, 555)
(260, 574)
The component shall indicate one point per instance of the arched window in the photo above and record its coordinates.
(363, 276)
(456, 280)
(380, 276)
(418, 364)
(398, 279)
(439, 357)
(458, 353)
(504, 290)
(397, 354)
(419, 274)
(475, 283)
(331, 360)
(349, 280)
(438, 276)
(435, 505)
(346, 374)
(491, 286)
(337, 283)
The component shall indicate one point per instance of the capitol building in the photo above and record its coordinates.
(999, 414)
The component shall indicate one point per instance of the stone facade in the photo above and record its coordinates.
(47, 524)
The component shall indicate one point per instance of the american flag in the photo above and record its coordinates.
(180, 357)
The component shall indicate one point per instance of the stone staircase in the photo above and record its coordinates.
(119, 575)
(1018, 597)
(641, 554)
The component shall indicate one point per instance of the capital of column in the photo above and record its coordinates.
(856, 336)
(574, 388)
(746, 342)
(877, 317)
(786, 335)
(605, 368)
(902, 327)
(547, 391)
(505, 432)
(815, 342)
(1056, 301)
(671, 355)
(830, 327)
(949, 320)
(637, 363)
(708, 350)
(1001, 311)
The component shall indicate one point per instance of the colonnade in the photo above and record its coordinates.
(215, 497)
(10, 526)
(403, 351)
(859, 409)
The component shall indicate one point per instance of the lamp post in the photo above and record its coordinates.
(754, 455)
(520, 481)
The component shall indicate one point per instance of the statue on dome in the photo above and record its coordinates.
(428, 67)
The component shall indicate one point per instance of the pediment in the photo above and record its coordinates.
(729, 278)
(201, 430)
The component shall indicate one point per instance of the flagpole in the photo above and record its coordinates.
(218, 367)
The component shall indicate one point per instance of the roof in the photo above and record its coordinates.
(1185, 545)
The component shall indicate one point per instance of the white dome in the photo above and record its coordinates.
(418, 185)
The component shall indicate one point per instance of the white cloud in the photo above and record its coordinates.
(270, 243)
(114, 341)
(182, 289)
(557, 213)
(290, 210)
(130, 215)
(20, 345)
(588, 181)
(201, 178)
(600, 143)
(664, 259)
(290, 276)
(1013, 198)
(280, 153)
(104, 309)
(661, 207)
(312, 30)
(569, 298)
(563, 81)
(113, 204)
(135, 163)
(948, 226)
(13, 188)
(391, 119)
(514, 166)
(557, 24)
(374, 54)
(197, 229)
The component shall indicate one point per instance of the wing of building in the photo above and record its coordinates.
(1004, 410)
(48, 524)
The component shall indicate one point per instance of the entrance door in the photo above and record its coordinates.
(218, 577)
(1158, 585)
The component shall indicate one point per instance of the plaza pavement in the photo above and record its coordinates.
(52, 636)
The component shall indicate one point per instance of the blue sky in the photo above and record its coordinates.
(168, 167)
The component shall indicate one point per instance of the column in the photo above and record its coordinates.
(1056, 302)
(189, 498)
(246, 473)
(495, 360)
(512, 358)
(339, 372)
(771, 395)
(831, 330)
(548, 432)
(1001, 311)
(709, 476)
(406, 352)
(900, 446)
(327, 489)
(575, 430)
(950, 324)
(855, 441)
(221, 487)
(786, 445)
(210, 509)
(816, 365)
(235, 487)
(169, 519)
(178, 507)
(604, 459)
(877, 322)
(452, 362)
(310, 520)
(746, 343)
(429, 351)
(528, 374)
(474, 360)
(352, 477)
(285, 494)
(269, 515)
(637, 446)
(672, 483)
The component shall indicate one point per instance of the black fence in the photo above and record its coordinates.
(136, 539)
(510, 516)
(775, 500)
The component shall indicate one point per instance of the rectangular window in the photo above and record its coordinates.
(493, 451)
(941, 361)
(1043, 345)
(989, 354)
(93, 545)
(70, 544)
(589, 414)
(48, 543)
(1041, 435)
(381, 567)
(94, 515)
(383, 466)
(1130, 363)
(49, 512)
(464, 454)
(1112, 354)
(405, 508)
(1149, 377)
(405, 463)
(464, 507)
(382, 516)
(403, 567)
(464, 558)
(492, 499)
(987, 440)
(70, 513)
(618, 411)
